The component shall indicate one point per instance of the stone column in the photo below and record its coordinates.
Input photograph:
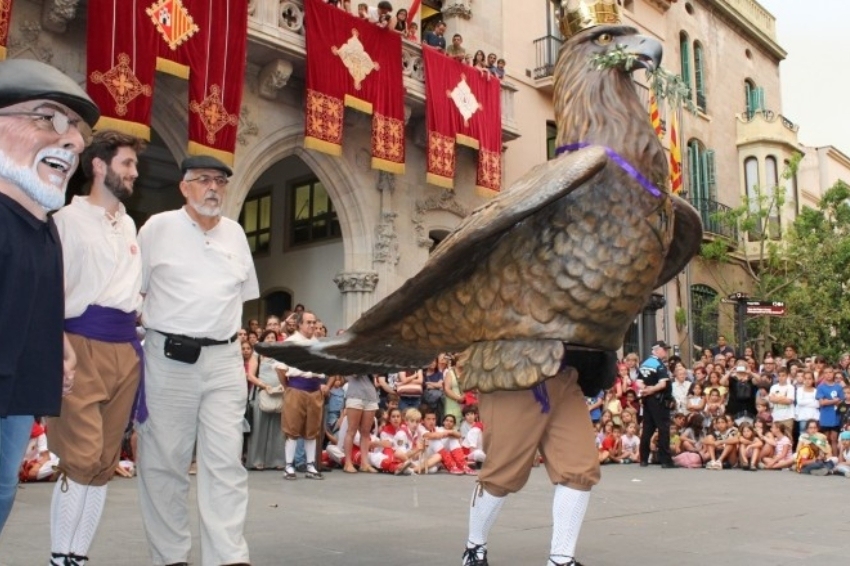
(357, 288)
(648, 320)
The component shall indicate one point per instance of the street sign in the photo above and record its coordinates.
(739, 296)
(769, 308)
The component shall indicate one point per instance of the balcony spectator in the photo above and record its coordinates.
(456, 50)
(479, 61)
(491, 62)
(367, 12)
(412, 32)
(401, 22)
(436, 38)
(386, 19)
(500, 69)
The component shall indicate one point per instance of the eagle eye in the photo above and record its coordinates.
(604, 38)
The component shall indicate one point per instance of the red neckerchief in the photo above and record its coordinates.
(389, 429)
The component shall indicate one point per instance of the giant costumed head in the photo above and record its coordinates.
(45, 119)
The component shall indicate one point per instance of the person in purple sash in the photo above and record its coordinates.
(44, 119)
(103, 279)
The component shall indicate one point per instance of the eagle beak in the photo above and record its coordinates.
(647, 50)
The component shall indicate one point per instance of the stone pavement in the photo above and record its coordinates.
(637, 516)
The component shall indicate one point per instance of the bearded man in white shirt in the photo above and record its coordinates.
(197, 271)
(103, 277)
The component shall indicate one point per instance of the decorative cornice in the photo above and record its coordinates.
(444, 201)
(356, 281)
(460, 9)
(55, 14)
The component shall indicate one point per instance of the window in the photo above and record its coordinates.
(701, 172)
(685, 59)
(704, 316)
(312, 215)
(754, 98)
(551, 135)
(774, 225)
(700, 77)
(256, 221)
(751, 181)
(790, 182)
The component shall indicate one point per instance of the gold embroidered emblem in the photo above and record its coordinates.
(122, 84)
(356, 59)
(388, 138)
(489, 170)
(214, 116)
(324, 117)
(441, 155)
(464, 100)
(172, 21)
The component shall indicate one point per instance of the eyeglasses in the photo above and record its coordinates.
(206, 180)
(59, 121)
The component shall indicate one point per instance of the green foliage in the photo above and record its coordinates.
(666, 85)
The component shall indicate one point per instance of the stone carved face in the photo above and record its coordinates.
(33, 156)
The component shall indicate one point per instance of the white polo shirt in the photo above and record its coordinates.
(102, 261)
(195, 282)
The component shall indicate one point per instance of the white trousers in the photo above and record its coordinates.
(204, 401)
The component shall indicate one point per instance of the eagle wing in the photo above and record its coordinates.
(687, 237)
(373, 343)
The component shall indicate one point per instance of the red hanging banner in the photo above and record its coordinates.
(462, 105)
(120, 65)
(205, 41)
(351, 62)
(5, 19)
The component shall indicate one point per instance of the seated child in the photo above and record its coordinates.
(39, 463)
(630, 445)
(722, 445)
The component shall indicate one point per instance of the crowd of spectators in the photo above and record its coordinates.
(382, 15)
(423, 423)
(732, 411)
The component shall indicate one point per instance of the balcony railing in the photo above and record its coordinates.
(546, 49)
(769, 116)
(711, 212)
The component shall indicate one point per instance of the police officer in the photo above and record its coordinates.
(654, 384)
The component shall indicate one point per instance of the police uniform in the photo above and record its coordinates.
(656, 414)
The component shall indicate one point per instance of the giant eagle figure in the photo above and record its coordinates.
(558, 265)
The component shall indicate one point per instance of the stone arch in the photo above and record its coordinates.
(334, 172)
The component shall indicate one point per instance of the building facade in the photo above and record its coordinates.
(333, 234)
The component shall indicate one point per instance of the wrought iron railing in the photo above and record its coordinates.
(546, 49)
(715, 219)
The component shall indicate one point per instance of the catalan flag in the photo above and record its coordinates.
(675, 154)
(655, 115)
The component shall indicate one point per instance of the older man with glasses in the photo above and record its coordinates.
(197, 271)
(45, 118)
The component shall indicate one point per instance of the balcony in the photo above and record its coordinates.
(276, 31)
(546, 51)
(759, 126)
(711, 213)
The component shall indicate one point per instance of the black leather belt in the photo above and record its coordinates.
(203, 341)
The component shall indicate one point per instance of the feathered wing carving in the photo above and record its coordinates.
(386, 336)
(554, 269)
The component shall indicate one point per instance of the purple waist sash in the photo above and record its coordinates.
(114, 326)
(308, 384)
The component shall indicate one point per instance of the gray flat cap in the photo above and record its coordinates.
(204, 162)
(25, 79)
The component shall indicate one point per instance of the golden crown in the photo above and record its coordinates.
(578, 15)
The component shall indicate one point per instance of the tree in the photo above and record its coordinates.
(817, 298)
(762, 252)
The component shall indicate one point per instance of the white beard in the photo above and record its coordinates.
(208, 210)
(48, 196)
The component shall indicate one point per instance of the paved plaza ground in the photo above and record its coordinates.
(637, 516)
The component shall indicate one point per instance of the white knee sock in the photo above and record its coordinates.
(483, 510)
(310, 449)
(289, 450)
(66, 509)
(568, 510)
(87, 527)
